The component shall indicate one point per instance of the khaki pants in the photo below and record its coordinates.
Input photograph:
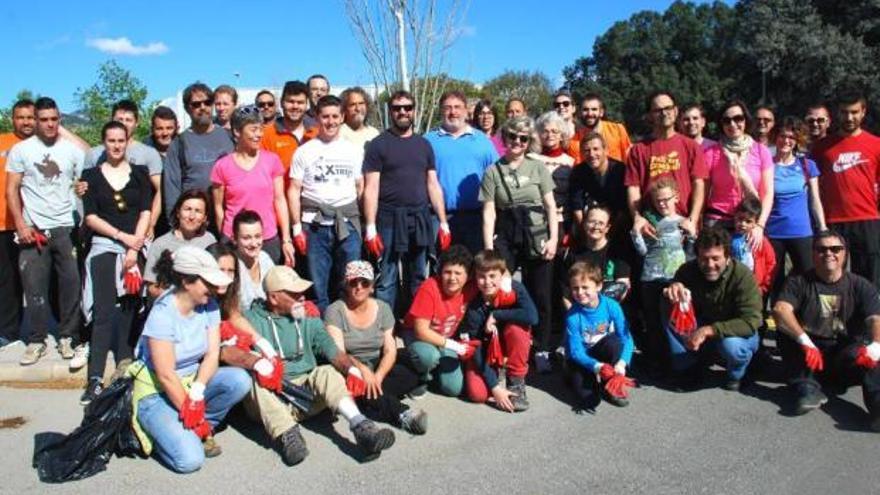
(278, 416)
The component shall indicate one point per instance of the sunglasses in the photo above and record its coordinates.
(522, 138)
(819, 120)
(360, 282)
(200, 103)
(121, 203)
(559, 104)
(402, 108)
(739, 119)
(265, 104)
(829, 249)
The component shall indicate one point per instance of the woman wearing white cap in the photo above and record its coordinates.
(179, 394)
(363, 326)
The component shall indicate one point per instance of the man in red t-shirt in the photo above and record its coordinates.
(433, 319)
(665, 154)
(849, 166)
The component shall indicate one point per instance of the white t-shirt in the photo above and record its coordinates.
(328, 171)
(360, 137)
(248, 290)
(48, 175)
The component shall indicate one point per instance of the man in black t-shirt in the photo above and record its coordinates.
(829, 322)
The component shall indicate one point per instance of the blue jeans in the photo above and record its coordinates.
(327, 259)
(736, 352)
(415, 268)
(179, 448)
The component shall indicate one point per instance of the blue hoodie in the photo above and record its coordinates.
(584, 327)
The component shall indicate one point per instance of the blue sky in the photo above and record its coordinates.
(168, 44)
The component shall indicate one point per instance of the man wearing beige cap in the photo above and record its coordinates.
(298, 338)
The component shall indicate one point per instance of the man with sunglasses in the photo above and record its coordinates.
(192, 154)
(461, 156)
(849, 166)
(818, 120)
(829, 323)
(289, 131)
(593, 119)
(400, 188)
(265, 101)
(665, 153)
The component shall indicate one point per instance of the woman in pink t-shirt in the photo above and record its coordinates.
(739, 167)
(253, 179)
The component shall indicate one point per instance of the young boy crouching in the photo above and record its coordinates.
(597, 342)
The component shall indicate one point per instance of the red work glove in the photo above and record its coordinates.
(812, 355)
(504, 296)
(472, 346)
(272, 379)
(606, 372)
(233, 335)
(494, 355)
(40, 240)
(373, 242)
(300, 243)
(192, 412)
(618, 385)
(566, 240)
(444, 237)
(203, 430)
(682, 319)
(311, 309)
(354, 381)
(868, 356)
(132, 281)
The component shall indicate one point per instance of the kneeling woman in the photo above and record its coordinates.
(180, 395)
(363, 326)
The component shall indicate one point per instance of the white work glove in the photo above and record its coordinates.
(370, 231)
(196, 391)
(455, 346)
(620, 367)
(266, 348)
(264, 367)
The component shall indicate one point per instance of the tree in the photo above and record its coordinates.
(405, 43)
(114, 83)
(533, 88)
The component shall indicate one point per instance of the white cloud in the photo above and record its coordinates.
(124, 46)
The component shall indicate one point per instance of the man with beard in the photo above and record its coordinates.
(192, 154)
(289, 131)
(692, 123)
(849, 164)
(265, 101)
(461, 154)
(163, 130)
(593, 120)
(818, 120)
(400, 187)
(727, 305)
(355, 107)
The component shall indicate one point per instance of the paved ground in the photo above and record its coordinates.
(709, 441)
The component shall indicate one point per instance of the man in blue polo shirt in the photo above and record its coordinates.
(461, 154)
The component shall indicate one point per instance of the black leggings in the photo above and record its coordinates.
(113, 317)
(387, 408)
(800, 250)
(586, 388)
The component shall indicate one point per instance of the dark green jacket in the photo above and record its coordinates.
(298, 341)
(731, 305)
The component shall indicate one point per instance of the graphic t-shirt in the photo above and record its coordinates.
(850, 168)
(48, 175)
(678, 157)
(444, 313)
(790, 216)
(828, 310)
(328, 171)
(403, 163)
(249, 189)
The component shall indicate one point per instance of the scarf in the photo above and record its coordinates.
(736, 151)
(552, 153)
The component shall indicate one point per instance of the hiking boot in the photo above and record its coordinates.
(65, 348)
(414, 421)
(371, 438)
(812, 398)
(542, 362)
(33, 353)
(520, 401)
(419, 392)
(93, 390)
(292, 446)
(121, 368)
(80, 357)
(615, 401)
(212, 448)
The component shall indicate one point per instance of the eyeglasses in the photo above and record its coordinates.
(816, 120)
(665, 200)
(666, 109)
(402, 108)
(522, 138)
(121, 203)
(247, 110)
(829, 249)
(360, 282)
(561, 104)
(200, 103)
(739, 119)
(266, 104)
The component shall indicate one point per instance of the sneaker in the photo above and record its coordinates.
(121, 368)
(32, 354)
(292, 446)
(93, 390)
(542, 362)
(371, 438)
(520, 400)
(80, 357)
(812, 398)
(732, 385)
(615, 401)
(419, 392)
(9, 344)
(212, 448)
(65, 348)
(414, 421)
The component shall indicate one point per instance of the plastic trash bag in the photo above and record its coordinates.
(105, 430)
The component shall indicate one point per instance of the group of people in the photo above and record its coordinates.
(308, 261)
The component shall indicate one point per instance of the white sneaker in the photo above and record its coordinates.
(65, 347)
(80, 357)
(10, 344)
(542, 362)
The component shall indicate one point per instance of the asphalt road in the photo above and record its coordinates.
(709, 441)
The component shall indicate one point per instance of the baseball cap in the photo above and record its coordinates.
(286, 279)
(358, 269)
(191, 260)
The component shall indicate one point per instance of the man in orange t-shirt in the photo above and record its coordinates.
(592, 112)
(10, 281)
(288, 131)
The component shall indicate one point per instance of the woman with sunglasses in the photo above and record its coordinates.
(739, 167)
(363, 327)
(253, 179)
(520, 221)
(486, 120)
(797, 207)
(180, 395)
(116, 207)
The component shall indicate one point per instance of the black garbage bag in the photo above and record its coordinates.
(105, 430)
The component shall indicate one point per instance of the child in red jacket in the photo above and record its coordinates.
(761, 259)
